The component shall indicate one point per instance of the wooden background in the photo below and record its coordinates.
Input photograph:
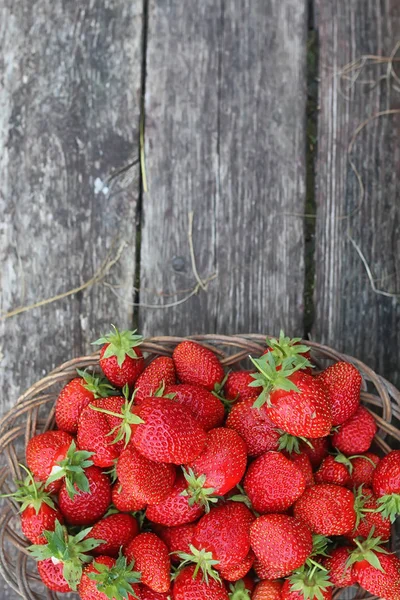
(250, 123)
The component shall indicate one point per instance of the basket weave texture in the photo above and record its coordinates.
(34, 413)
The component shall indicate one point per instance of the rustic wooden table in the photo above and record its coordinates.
(274, 122)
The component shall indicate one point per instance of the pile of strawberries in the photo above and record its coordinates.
(177, 480)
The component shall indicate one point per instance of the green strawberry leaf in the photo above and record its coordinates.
(122, 432)
(120, 344)
(203, 561)
(389, 506)
(99, 386)
(196, 492)
(116, 582)
(72, 468)
(238, 591)
(30, 493)
(310, 582)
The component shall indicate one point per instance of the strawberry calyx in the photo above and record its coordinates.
(116, 581)
(319, 548)
(123, 431)
(196, 492)
(96, 384)
(120, 344)
(72, 468)
(360, 499)
(203, 561)
(291, 443)
(218, 392)
(310, 582)
(367, 549)
(389, 506)
(346, 460)
(30, 493)
(238, 591)
(242, 497)
(269, 377)
(285, 347)
(70, 550)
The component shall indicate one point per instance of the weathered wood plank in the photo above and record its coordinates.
(71, 77)
(225, 125)
(349, 314)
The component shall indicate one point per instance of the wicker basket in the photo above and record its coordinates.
(34, 413)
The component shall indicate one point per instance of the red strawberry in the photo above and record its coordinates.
(340, 573)
(333, 470)
(75, 396)
(237, 386)
(327, 509)
(368, 516)
(262, 571)
(175, 508)
(254, 426)
(151, 558)
(116, 531)
(147, 481)
(313, 585)
(281, 543)
(273, 483)
(85, 508)
(94, 429)
(355, 435)
(296, 402)
(178, 539)
(160, 372)
(125, 502)
(146, 593)
(190, 585)
(316, 449)
(267, 590)
(38, 511)
(197, 365)
(169, 432)
(52, 576)
(219, 468)
(303, 463)
(207, 408)
(120, 358)
(363, 469)
(44, 451)
(386, 484)
(342, 382)
(224, 532)
(240, 570)
(107, 578)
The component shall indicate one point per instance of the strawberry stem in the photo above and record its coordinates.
(30, 493)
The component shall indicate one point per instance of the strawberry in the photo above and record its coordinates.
(240, 570)
(76, 395)
(175, 508)
(190, 585)
(296, 402)
(44, 451)
(52, 575)
(224, 534)
(120, 358)
(334, 470)
(237, 388)
(310, 583)
(146, 593)
(342, 382)
(177, 539)
(85, 508)
(38, 511)
(109, 578)
(281, 543)
(219, 468)
(151, 558)
(363, 469)
(386, 484)
(368, 516)
(327, 509)
(262, 570)
(169, 432)
(303, 463)
(159, 373)
(355, 435)
(147, 481)
(62, 557)
(273, 483)
(197, 365)
(116, 531)
(316, 449)
(125, 502)
(340, 573)
(267, 590)
(374, 569)
(254, 426)
(207, 408)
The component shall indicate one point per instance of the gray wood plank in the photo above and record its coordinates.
(349, 314)
(71, 77)
(225, 127)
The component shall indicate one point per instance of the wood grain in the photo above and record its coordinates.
(225, 127)
(350, 316)
(71, 77)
